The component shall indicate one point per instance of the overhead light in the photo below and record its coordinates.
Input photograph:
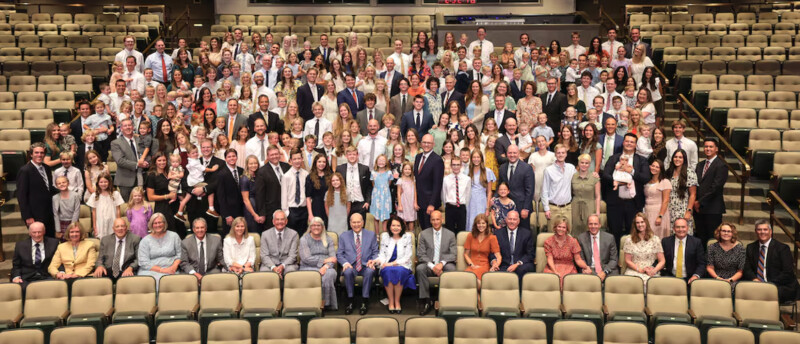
(198, 25)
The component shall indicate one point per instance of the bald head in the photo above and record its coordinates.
(512, 153)
(356, 222)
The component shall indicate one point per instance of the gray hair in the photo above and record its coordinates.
(761, 222)
(199, 220)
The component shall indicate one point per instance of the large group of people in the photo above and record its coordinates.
(304, 144)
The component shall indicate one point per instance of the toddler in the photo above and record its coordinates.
(195, 180)
(525, 142)
(542, 129)
(623, 180)
(643, 147)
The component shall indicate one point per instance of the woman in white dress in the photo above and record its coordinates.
(639, 62)
(540, 160)
(643, 248)
(381, 96)
(329, 101)
(367, 85)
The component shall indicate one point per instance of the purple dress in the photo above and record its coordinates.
(138, 220)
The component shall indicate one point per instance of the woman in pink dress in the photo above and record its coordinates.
(563, 251)
(529, 106)
(656, 200)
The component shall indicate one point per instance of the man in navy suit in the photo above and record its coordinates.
(520, 179)
(777, 267)
(271, 119)
(429, 172)
(684, 256)
(35, 191)
(710, 205)
(621, 211)
(231, 204)
(308, 94)
(392, 77)
(418, 118)
(358, 250)
(518, 87)
(323, 49)
(450, 94)
(350, 95)
(76, 127)
(500, 113)
(516, 248)
(599, 104)
(612, 145)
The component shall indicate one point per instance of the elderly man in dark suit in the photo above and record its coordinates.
(201, 253)
(554, 104)
(118, 253)
(598, 249)
(32, 257)
(710, 205)
(279, 246)
(273, 121)
(516, 247)
(126, 154)
(520, 179)
(451, 94)
(776, 268)
(429, 172)
(621, 211)
(357, 252)
(428, 263)
(684, 256)
(268, 185)
(35, 191)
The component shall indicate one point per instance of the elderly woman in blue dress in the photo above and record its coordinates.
(395, 258)
(317, 253)
(159, 252)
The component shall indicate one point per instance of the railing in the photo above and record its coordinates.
(773, 199)
(605, 17)
(745, 173)
(172, 31)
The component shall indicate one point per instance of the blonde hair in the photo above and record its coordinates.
(140, 190)
(235, 222)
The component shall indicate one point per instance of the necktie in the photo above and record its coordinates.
(324, 54)
(38, 260)
(235, 175)
(608, 148)
(164, 75)
(316, 128)
(196, 94)
(608, 100)
(372, 153)
(297, 188)
(202, 259)
(511, 171)
(117, 256)
(403, 102)
(418, 122)
(458, 198)
(598, 266)
(236, 52)
(89, 147)
(549, 99)
(262, 149)
(679, 261)
(421, 163)
(65, 171)
(679, 143)
(513, 245)
(280, 240)
(447, 99)
(437, 241)
(358, 253)
(762, 259)
(231, 121)
(370, 115)
(355, 98)
(705, 168)
(402, 65)
(133, 148)
(278, 174)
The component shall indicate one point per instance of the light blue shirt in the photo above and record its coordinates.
(154, 62)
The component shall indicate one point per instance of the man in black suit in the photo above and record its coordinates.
(500, 114)
(684, 256)
(710, 205)
(392, 77)
(429, 172)
(308, 94)
(518, 87)
(76, 127)
(520, 179)
(121, 248)
(32, 257)
(554, 104)
(323, 49)
(621, 211)
(418, 118)
(507, 139)
(198, 204)
(361, 195)
(35, 191)
(272, 119)
(777, 267)
(516, 248)
(451, 94)
(268, 185)
(228, 192)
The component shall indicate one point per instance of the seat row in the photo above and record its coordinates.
(763, 144)
(710, 18)
(137, 30)
(650, 30)
(46, 83)
(68, 68)
(742, 53)
(316, 30)
(151, 20)
(713, 41)
(231, 20)
(58, 54)
(737, 82)
(676, 64)
(57, 41)
(417, 330)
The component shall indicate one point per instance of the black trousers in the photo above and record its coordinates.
(705, 225)
(298, 220)
(455, 217)
(358, 208)
(197, 208)
(620, 218)
(423, 217)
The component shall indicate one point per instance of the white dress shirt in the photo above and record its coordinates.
(687, 145)
(253, 147)
(74, 176)
(487, 47)
(123, 55)
(137, 82)
(324, 127)
(449, 189)
(401, 62)
(288, 183)
(587, 94)
(366, 154)
(575, 51)
(557, 185)
(611, 48)
(354, 193)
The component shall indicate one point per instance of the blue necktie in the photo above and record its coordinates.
(297, 188)
(38, 260)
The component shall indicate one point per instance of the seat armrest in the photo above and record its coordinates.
(195, 309)
(436, 305)
(238, 308)
(788, 322)
(480, 306)
(692, 315)
(738, 318)
(65, 315)
(648, 312)
(521, 308)
(153, 310)
(108, 313)
(562, 308)
(605, 310)
(17, 319)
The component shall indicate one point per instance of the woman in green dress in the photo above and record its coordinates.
(586, 194)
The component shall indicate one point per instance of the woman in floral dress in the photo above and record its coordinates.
(684, 188)
(643, 248)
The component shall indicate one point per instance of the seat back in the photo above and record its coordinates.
(279, 331)
(382, 330)
(582, 292)
(261, 290)
(715, 67)
(10, 119)
(677, 334)
(177, 293)
(425, 330)
(461, 239)
(229, 331)
(722, 98)
(458, 290)
(500, 290)
(730, 335)
(622, 332)
(541, 291)
(784, 165)
(661, 41)
(723, 53)
(28, 336)
(711, 298)
(127, 334)
(574, 332)
(760, 83)
(704, 82)
(779, 337)
(73, 334)
(328, 331)
(10, 298)
(524, 331)
(22, 83)
(178, 332)
(46, 299)
(135, 294)
(219, 291)
(667, 295)
(541, 258)
(475, 331)
(15, 139)
(757, 301)
(623, 294)
(91, 296)
(773, 119)
(791, 140)
(302, 289)
(49, 83)
(764, 139)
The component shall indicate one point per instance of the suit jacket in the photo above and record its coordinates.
(447, 247)
(457, 96)
(23, 266)
(126, 161)
(345, 96)
(641, 175)
(462, 81)
(395, 86)
(362, 119)
(523, 247)
(429, 180)
(521, 184)
(608, 251)
(346, 253)
(272, 255)
(108, 247)
(409, 121)
(780, 270)
(364, 179)
(75, 128)
(617, 142)
(517, 93)
(555, 109)
(35, 196)
(501, 126)
(80, 264)
(318, 51)
(694, 256)
(501, 147)
(238, 122)
(268, 191)
(228, 193)
(396, 109)
(210, 178)
(274, 123)
(629, 49)
(190, 256)
(709, 190)
(305, 99)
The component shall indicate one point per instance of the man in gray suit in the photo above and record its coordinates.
(402, 102)
(598, 245)
(118, 253)
(436, 254)
(370, 112)
(279, 246)
(201, 254)
(234, 120)
(125, 152)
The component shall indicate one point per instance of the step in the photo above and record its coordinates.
(11, 219)
(14, 233)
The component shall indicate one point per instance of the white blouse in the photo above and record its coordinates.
(239, 253)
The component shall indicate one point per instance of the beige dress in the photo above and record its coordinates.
(652, 206)
(644, 253)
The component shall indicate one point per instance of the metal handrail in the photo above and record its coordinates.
(774, 199)
(740, 178)
(603, 13)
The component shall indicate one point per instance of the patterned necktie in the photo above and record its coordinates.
(355, 98)
(38, 260)
(202, 259)
(358, 253)
(280, 240)
(679, 261)
(679, 143)
(44, 175)
(458, 198)
(762, 263)
(117, 257)
(235, 174)
(437, 241)
(297, 188)
(513, 245)
(598, 266)
(705, 168)
(421, 163)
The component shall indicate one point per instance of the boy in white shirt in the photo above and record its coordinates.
(246, 59)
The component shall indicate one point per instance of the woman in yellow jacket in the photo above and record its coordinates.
(74, 258)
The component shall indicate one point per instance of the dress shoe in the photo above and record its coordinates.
(363, 309)
(349, 309)
(426, 308)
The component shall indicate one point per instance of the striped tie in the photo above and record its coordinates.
(762, 258)
(358, 253)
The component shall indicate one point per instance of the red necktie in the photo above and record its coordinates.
(458, 198)
(164, 69)
(705, 169)
(421, 163)
(355, 98)
(598, 266)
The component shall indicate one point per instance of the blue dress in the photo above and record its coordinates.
(470, 110)
(398, 274)
(477, 197)
(381, 205)
(246, 184)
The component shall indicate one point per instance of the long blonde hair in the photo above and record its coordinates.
(140, 190)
